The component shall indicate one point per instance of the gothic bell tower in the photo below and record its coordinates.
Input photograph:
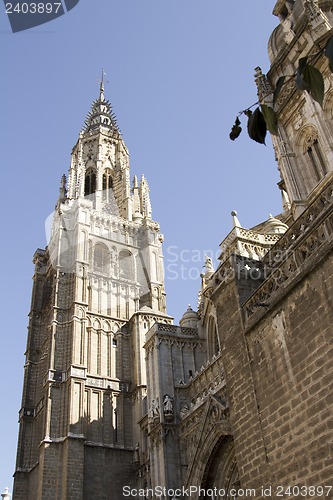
(97, 289)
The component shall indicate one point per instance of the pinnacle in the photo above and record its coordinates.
(101, 114)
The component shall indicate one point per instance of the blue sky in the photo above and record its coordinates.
(179, 71)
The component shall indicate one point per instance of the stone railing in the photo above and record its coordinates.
(247, 243)
(172, 330)
(205, 381)
(301, 247)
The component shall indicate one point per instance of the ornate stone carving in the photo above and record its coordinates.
(295, 248)
(154, 410)
(263, 85)
(137, 454)
(168, 407)
(209, 265)
(184, 411)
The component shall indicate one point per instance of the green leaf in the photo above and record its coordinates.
(270, 118)
(313, 78)
(236, 130)
(256, 126)
(310, 78)
(279, 85)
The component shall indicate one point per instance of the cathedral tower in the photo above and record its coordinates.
(303, 145)
(97, 288)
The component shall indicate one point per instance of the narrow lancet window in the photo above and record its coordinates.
(316, 160)
(90, 182)
(107, 186)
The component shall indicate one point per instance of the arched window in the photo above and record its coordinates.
(316, 160)
(126, 265)
(213, 338)
(107, 186)
(101, 259)
(90, 182)
(317, 167)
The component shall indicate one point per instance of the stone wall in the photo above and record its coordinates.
(291, 360)
(278, 357)
(249, 447)
(106, 472)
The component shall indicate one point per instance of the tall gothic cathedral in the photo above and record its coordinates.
(117, 401)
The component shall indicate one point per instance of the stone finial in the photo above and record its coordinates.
(145, 197)
(208, 265)
(235, 219)
(264, 88)
(6, 495)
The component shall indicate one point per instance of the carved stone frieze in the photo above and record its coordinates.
(294, 251)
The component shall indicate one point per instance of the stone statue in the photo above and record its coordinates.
(136, 454)
(167, 405)
(184, 411)
(154, 411)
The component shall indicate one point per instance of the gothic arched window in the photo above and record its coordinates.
(126, 265)
(90, 182)
(101, 259)
(213, 339)
(107, 186)
(316, 161)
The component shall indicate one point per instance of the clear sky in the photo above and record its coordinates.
(179, 71)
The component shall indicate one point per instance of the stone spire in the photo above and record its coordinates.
(137, 215)
(101, 91)
(145, 197)
(101, 114)
(264, 89)
(62, 191)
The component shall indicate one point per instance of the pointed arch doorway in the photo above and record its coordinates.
(221, 472)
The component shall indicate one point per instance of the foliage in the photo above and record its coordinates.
(236, 129)
(307, 78)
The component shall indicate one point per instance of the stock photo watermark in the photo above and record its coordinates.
(186, 264)
(24, 15)
(163, 493)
